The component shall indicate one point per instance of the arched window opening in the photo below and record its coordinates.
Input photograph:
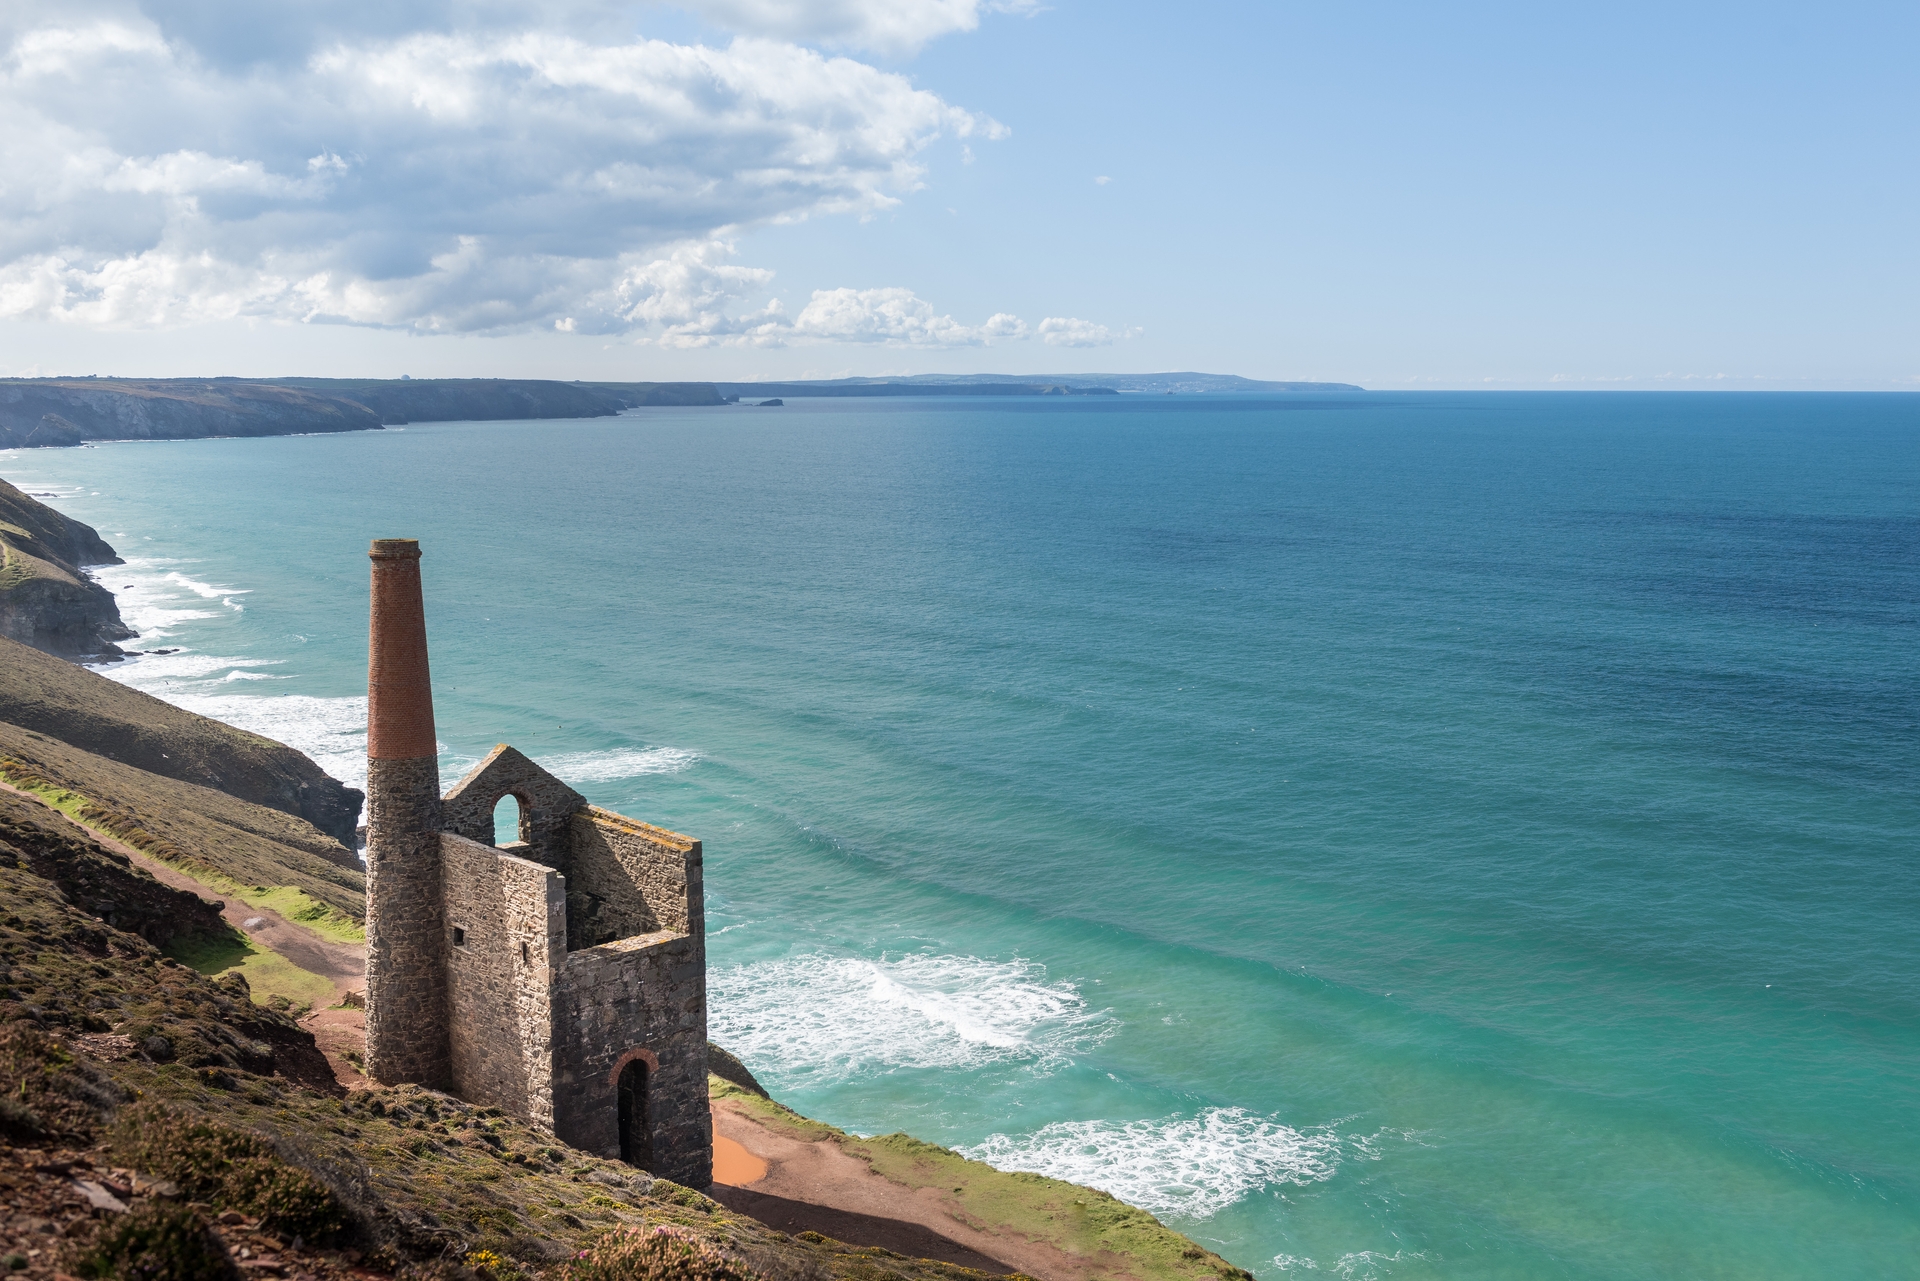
(636, 1135)
(509, 820)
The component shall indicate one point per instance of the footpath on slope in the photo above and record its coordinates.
(337, 1022)
(794, 1175)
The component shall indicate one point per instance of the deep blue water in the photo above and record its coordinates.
(1392, 835)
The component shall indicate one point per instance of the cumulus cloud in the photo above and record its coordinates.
(885, 26)
(696, 298)
(461, 166)
(1065, 331)
(491, 179)
(895, 317)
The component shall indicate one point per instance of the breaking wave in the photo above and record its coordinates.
(611, 766)
(818, 1018)
(1189, 1166)
(206, 590)
(332, 731)
(150, 597)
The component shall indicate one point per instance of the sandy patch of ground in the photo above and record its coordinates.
(818, 1187)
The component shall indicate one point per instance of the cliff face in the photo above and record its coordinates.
(66, 411)
(103, 717)
(45, 599)
(422, 400)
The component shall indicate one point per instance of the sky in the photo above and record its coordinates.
(1393, 194)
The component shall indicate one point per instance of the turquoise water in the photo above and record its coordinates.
(1412, 836)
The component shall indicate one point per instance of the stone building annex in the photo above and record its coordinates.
(561, 977)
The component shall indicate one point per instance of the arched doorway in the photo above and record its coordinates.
(636, 1134)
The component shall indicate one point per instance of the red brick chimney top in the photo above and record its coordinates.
(399, 688)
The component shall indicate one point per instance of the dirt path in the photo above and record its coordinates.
(338, 1030)
(819, 1187)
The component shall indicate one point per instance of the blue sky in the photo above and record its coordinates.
(1396, 195)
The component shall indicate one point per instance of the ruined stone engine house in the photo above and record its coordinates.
(560, 977)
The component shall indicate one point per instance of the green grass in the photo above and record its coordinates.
(68, 803)
(16, 567)
(304, 910)
(298, 906)
(268, 973)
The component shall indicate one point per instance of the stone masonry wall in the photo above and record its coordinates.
(406, 954)
(644, 995)
(604, 898)
(506, 923)
(641, 877)
(545, 804)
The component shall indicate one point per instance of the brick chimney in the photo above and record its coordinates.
(399, 690)
(407, 1038)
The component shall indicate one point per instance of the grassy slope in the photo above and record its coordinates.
(270, 858)
(427, 1179)
(271, 978)
(65, 969)
(1080, 1221)
(94, 1019)
(18, 568)
(53, 697)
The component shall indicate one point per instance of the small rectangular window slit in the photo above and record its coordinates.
(459, 937)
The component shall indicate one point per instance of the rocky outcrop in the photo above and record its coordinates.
(46, 600)
(728, 1067)
(104, 717)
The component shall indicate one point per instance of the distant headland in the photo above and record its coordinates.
(38, 412)
(1030, 385)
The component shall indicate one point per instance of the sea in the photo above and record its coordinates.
(1383, 835)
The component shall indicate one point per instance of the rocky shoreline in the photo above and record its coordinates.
(47, 600)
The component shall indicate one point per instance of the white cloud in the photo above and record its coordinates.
(505, 177)
(885, 26)
(686, 300)
(1065, 331)
(895, 317)
(177, 161)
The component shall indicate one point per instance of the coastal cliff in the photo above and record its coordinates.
(46, 601)
(181, 1089)
(84, 710)
(67, 411)
(162, 1118)
(421, 400)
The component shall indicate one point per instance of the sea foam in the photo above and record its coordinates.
(1189, 1166)
(818, 1018)
(331, 731)
(207, 590)
(151, 598)
(619, 763)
